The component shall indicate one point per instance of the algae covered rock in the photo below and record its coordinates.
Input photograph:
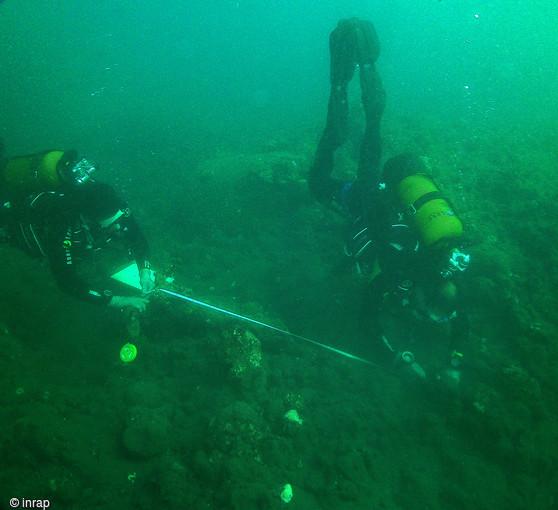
(237, 430)
(145, 394)
(241, 351)
(147, 433)
(276, 167)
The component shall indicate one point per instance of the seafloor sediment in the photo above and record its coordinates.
(197, 420)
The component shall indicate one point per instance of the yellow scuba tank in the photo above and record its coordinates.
(432, 215)
(43, 171)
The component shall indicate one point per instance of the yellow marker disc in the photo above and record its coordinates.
(128, 353)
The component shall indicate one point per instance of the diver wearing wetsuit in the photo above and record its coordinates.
(68, 224)
(383, 241)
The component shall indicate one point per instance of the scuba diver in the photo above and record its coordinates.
(52, 208)
(404, 237)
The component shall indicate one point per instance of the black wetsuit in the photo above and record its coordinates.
(353, 42)
(380, 231)
(49, 224)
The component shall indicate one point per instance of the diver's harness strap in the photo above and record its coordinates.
(30, 237)
(419, 202)
(27, 229)
(359, 242)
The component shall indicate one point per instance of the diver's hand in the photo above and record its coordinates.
(455, 360)
(147, 284)
(451, 378)
(139, 303)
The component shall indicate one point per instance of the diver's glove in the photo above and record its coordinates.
(453, 373)
(452, 377)
(147, 284)
(139, 303)
(455, 360)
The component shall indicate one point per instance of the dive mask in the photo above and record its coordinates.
(82, 171)
(458, 261)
